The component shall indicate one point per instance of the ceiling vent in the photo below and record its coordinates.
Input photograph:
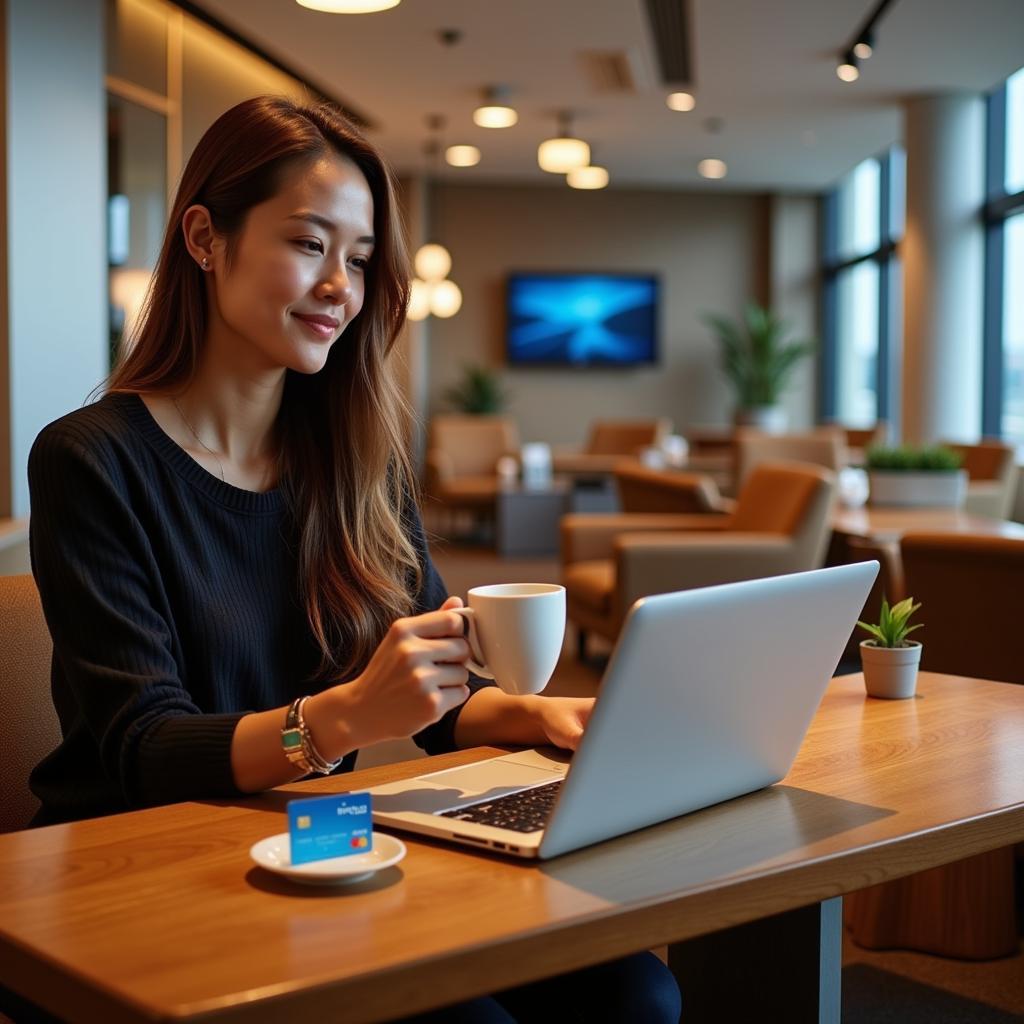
(670, 30)
(608, 71)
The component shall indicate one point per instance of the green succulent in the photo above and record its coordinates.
(755, 354)
(479, 392)
(908, 459)
(892, 628)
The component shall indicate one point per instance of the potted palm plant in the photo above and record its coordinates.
(758, 359)
(889, 659)
(479, 392)
(904, 475)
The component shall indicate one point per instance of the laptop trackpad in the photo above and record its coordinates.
(445, 790)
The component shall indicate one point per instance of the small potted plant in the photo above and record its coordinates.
(890, 660)
(916, 476)
(758, 358)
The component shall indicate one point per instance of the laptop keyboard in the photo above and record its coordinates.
(525, 811)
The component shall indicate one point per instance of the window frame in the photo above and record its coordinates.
(889, 297)
(999, 207)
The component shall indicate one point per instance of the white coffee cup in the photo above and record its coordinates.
(515, 633)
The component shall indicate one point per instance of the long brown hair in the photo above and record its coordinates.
(344, 465)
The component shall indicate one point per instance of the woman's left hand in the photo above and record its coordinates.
(563, 719)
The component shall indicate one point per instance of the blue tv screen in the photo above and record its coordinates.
(582, 319)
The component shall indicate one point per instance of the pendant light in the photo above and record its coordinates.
(495, 112)
(349, 6)
(563, 153)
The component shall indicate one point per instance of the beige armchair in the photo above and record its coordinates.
(462, 453)
(780, 525)
(991, 477)
(825, 446)
(608, 442)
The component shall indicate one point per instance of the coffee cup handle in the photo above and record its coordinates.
(475, 662)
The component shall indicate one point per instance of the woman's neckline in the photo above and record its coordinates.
(187, 467)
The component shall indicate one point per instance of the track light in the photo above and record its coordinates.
(848, 71)
(864, 47)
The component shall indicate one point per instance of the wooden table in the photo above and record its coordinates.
(881, 524)
(160, 915)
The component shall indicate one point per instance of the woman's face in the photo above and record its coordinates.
(298, 272)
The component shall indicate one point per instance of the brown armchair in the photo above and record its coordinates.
(991, 477)
(969, 588)
(642, 489)
(608, 442)
(780, 525)
(462, 453)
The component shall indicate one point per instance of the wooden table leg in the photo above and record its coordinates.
(787, 967)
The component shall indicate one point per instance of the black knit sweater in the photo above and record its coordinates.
(171, 597)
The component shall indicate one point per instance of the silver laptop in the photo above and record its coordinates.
(707, 696)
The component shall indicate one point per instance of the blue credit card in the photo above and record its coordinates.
(329, 826)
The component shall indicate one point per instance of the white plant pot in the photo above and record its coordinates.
(890, 672)
(946, 488)
(769, 418)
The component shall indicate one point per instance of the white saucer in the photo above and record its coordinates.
(274, 854)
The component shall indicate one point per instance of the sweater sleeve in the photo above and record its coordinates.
(108, 613)
(438, 738)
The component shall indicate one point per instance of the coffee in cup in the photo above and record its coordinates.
(515, 633)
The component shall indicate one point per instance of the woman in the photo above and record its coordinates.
(229, 537)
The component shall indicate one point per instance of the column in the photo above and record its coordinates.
(943, 256)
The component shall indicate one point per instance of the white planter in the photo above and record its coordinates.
(946, 488)
(769, 418)
(890, 672)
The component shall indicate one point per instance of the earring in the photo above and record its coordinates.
(205, 263)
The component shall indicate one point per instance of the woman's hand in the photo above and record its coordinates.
(563, 719)
(415, 676)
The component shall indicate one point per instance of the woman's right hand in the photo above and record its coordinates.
(415, 676)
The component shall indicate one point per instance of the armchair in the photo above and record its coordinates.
(825, 446)
(969, 588)
(642, 489)
(608, 442)
(462, 452)
(780, 525)
(991, 477)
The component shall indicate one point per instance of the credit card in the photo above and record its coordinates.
(338, 825)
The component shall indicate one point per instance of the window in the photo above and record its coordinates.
(863, 222)
(1003, 403)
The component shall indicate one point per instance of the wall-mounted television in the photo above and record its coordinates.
(581, 319)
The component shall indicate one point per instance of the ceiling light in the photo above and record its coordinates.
(349, 6)
(445, 299)
(680, 101)
(432, 262)
(495, 116)
(563, 153)
(419, 300)
(863, 48)
(847, 71)
(588, 177)
(462, 156)
(495, 112)
(712, 168)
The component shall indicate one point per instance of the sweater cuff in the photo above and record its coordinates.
(183, 757)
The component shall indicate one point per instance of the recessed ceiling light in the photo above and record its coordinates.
(712, 168)
(349, 6)
(588, 177)
(462, 156)
(680, 101)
